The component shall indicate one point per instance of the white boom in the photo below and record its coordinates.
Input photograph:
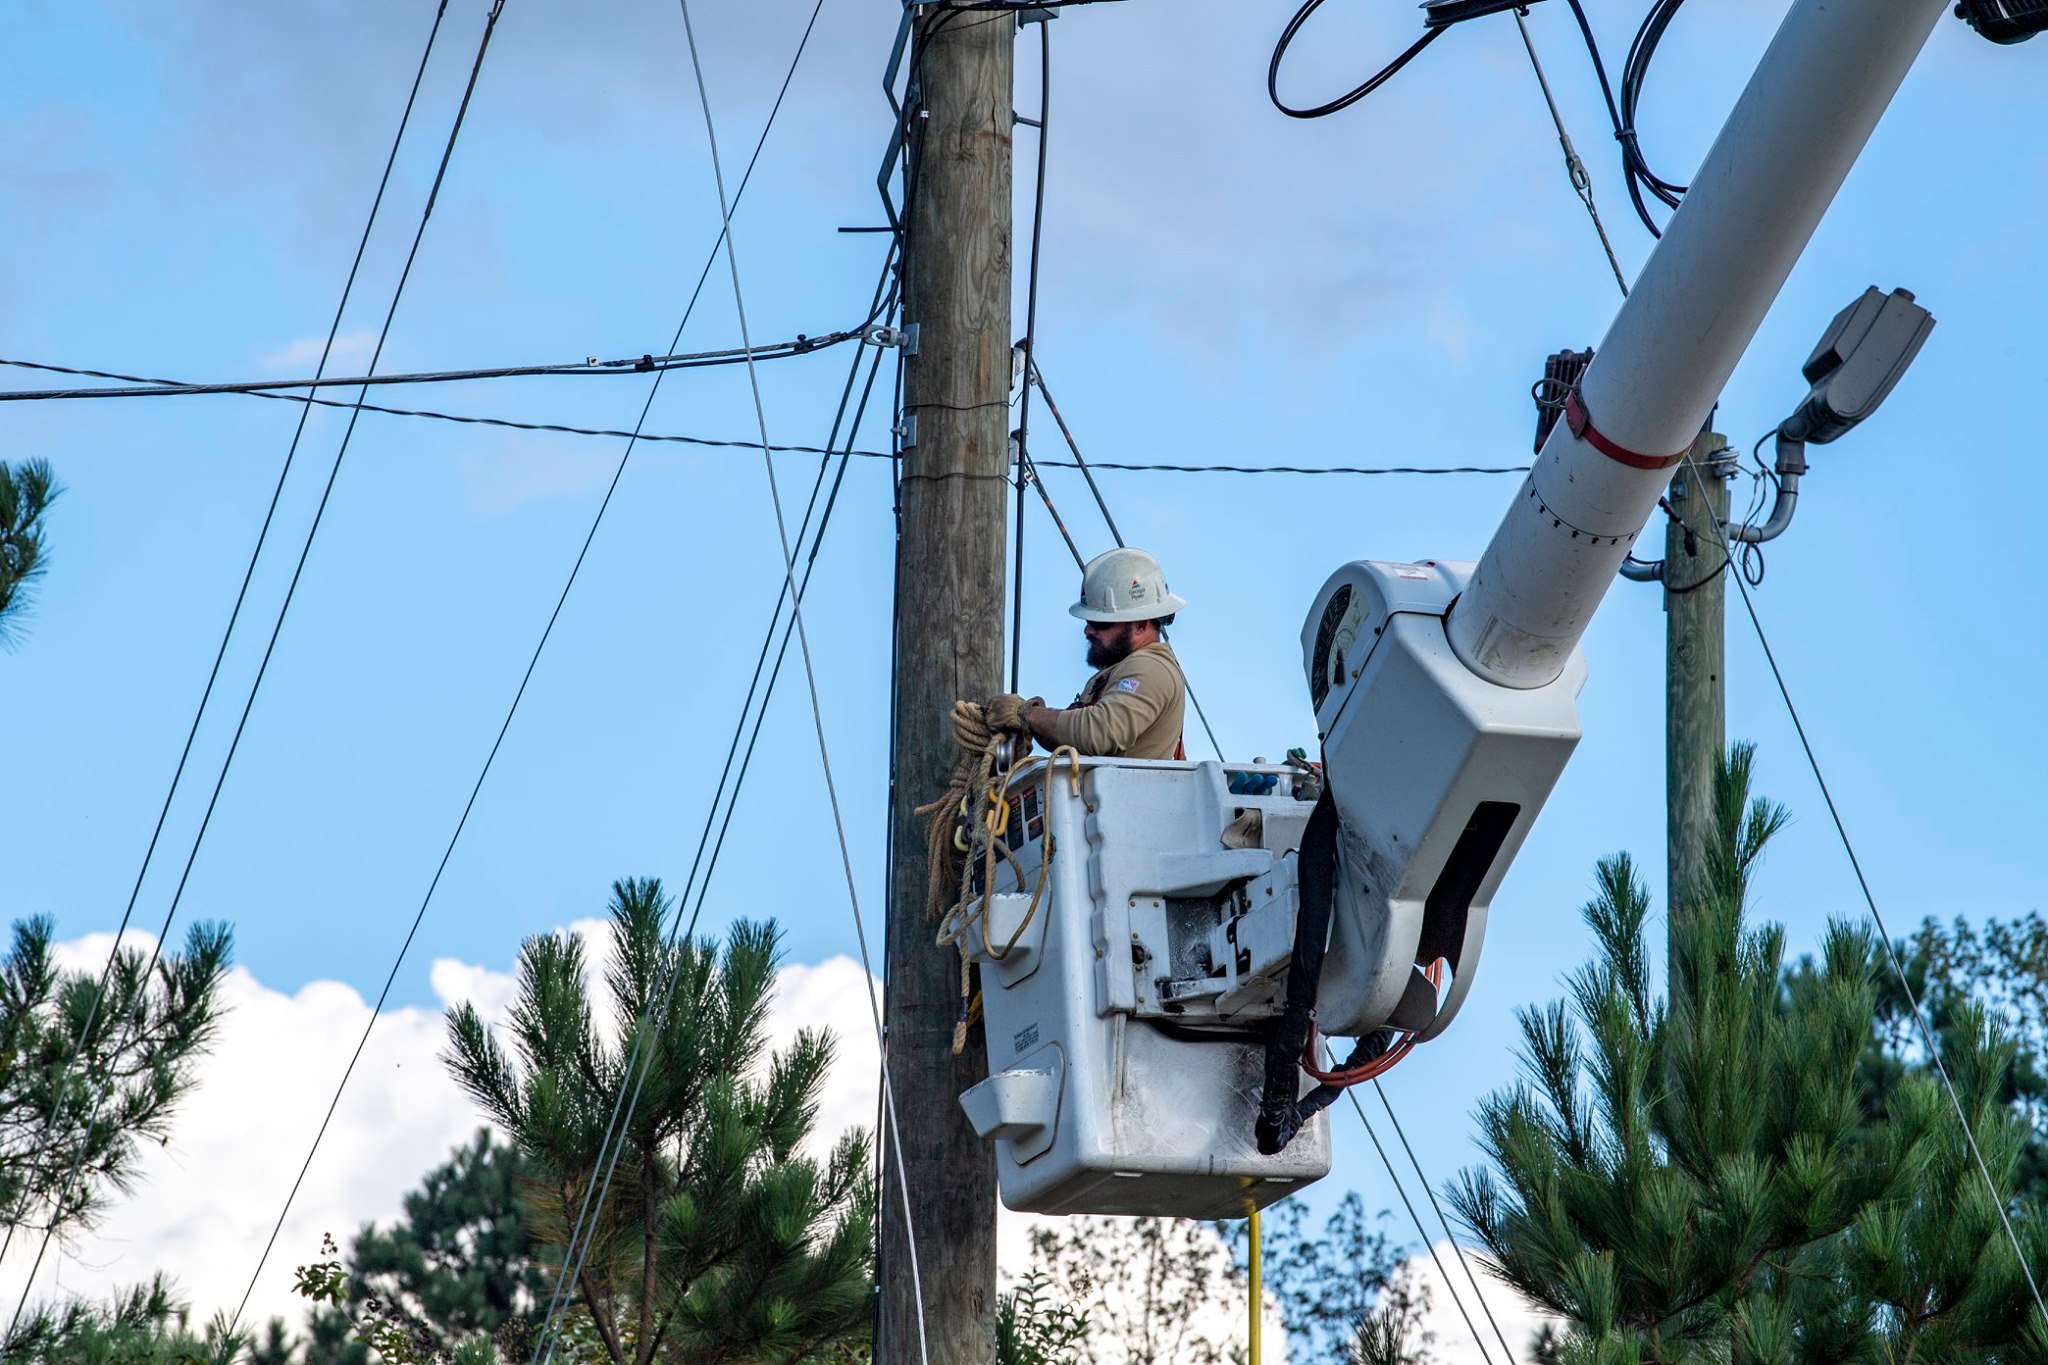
(1782, 155)
(1160, 935)
(1439, 771)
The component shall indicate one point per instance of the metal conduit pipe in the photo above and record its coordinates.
(1791, 464)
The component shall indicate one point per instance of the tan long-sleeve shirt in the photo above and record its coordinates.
(1131, 709)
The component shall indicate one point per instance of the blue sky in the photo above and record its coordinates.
(1220, 285)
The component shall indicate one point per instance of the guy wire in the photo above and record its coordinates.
(811, 679)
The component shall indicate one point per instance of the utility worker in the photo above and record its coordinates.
(1133, 707)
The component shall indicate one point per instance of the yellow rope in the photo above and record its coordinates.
(1044, 862)
(979, 729)
(982, 727)
(954, 924)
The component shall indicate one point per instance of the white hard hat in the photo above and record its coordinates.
(1124, 585)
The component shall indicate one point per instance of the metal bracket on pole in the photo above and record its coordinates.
(894, 152)
(1721, 464)
(906, 431)
(876, 334)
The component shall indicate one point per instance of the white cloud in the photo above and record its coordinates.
(352, 351)
(833, 995)
(205, 1202)
(491, 992)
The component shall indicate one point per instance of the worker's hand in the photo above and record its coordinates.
(1004, 713)
(1043, 722)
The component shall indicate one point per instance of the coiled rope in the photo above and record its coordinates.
(992, 736)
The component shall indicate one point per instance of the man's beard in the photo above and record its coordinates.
(1109, 649)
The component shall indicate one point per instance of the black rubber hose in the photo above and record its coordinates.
(1280, 1111)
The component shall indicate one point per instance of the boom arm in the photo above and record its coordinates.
(1445, 694)
(1784, 152)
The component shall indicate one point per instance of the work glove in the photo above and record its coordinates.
(1004, 714)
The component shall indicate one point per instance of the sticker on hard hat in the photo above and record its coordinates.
(1137, 591)
(1126, 684)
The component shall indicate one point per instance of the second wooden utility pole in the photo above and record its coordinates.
(1695, 678)
(949, 644)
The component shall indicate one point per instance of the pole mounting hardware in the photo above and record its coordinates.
(877, 334)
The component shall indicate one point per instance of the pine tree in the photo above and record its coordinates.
(82, 1083)
(1711, 1178)
(1957, 970)
(143, 1325)
(719, 1239)
(459, 1263)
(26, 492)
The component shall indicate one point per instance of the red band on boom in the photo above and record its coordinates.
(1581, 423)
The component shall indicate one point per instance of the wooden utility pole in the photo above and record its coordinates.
(1695, 695)
(949, 644)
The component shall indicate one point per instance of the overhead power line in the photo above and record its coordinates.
(341, 453)
(732, 259)
(234, 616)
(1428, 1243)
(1030, 349)
(278, 626)
(1365, 470)
(1621, 113)
(725, 795)
(718, 443)
(606, 433)
(1891, 952)
(723, 443)
(1458, 1247)
(643, 364)
(526, 678)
